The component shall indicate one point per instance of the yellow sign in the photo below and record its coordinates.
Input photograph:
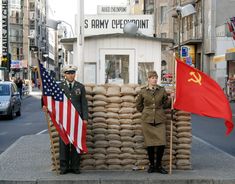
(4, 59)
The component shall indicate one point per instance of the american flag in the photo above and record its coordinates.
(62, 112)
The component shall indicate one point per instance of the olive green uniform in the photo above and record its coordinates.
(150, 102)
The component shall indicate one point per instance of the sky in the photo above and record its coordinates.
(66, 9)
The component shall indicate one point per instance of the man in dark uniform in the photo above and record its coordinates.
(75, 91)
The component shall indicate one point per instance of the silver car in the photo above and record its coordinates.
(10, 103)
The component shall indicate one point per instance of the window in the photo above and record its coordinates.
(163, 13)
(88, 69)
(117, 69)
(163, 47)
(143, 69)
(4, 90)
(163, 35)
(31, 6)
(176, 37)
(136, 1)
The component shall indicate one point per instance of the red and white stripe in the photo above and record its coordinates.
(67, 120)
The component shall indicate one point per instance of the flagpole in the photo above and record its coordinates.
(171, 136)
(172, 116)
(48, 124)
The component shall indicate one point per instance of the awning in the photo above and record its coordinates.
(219, 58)
(230, 54)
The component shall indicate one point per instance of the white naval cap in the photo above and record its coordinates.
(69, 68)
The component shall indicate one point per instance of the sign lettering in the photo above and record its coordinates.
(108, 24)
(4, 27)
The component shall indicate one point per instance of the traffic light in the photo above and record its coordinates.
(6, 61)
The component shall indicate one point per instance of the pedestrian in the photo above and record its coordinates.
(19, 84)
(151, 101)
(75, 91)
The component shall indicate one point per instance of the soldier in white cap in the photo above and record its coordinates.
(75, 91)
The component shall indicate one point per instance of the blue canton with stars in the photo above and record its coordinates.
(49, 85)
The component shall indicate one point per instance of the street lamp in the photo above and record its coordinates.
(183, 11)
(54, 24)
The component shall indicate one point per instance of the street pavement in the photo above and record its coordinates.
(28, 161)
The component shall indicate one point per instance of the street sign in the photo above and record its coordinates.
(184, 51)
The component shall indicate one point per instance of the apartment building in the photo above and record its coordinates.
(196, 33)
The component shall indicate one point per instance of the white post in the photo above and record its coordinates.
(29, 69)
(80, 41)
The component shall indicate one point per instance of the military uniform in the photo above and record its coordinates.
(69, 157)
(77, 96)
(150, 102)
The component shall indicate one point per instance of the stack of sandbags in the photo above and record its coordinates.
(140, 150)
(184, 136)
(99, 127)
(87, 159)
(166, 158)
(113, 137)
(126, 112)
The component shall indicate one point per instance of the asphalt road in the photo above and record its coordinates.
(213, 132)
(31, 121)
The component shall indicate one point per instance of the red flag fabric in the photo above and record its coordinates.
(62, 112)
(197, 93)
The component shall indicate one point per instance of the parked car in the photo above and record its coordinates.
(10, 103)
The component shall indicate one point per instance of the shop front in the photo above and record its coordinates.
(230, 58)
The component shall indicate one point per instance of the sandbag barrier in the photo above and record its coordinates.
(114, 136)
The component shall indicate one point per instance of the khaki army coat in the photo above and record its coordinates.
(150, 102)
(77, 96)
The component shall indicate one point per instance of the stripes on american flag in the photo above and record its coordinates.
(62, 113)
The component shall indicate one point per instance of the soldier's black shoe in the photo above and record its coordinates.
(151, 169)
(63, 171)
(161, 170)
(76, 171)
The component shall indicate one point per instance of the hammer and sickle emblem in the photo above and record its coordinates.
(195, 78)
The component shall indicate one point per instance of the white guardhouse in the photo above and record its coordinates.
(117, 58)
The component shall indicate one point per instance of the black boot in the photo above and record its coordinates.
(159, 168)
(150, 150)
(75, 161)
(151, 169)
(64, 157)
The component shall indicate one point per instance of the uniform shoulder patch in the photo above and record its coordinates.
(144, 87)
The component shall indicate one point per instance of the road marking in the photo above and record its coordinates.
(3, 133)
(41, 132)
(214, 147)
(28, 124)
